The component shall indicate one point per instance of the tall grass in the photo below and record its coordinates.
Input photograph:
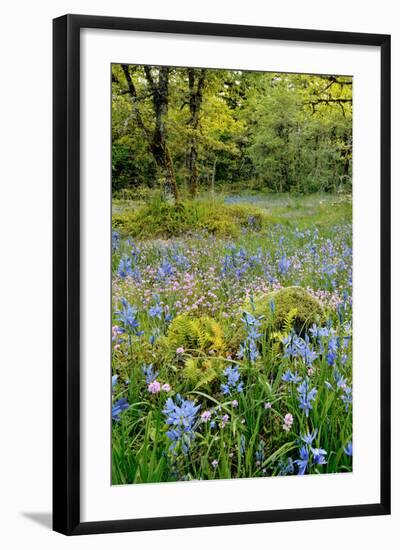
(226, 216)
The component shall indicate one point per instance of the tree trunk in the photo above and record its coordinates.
(195, 100)
(346, 151)
(159, 147)
(156, 139)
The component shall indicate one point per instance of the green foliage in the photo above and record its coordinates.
(287, 308)
(287, 141)
(212, 334)
(289, 320)
(202, 334)
(203, 341)
(301, 138)
(202, 371)
(148, 216)
(159, 218)
(275, 131)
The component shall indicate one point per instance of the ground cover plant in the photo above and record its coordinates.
(231, 300)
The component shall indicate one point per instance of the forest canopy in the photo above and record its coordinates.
(185, 130)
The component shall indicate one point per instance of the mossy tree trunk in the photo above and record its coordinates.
(157, 139)
(196, 86)
(159, 146)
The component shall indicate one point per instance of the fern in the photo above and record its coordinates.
(201, 371)
(287, 327)
(288, 321)
(203, 339)
(196, 334)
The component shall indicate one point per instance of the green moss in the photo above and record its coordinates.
(294, 302)
(161, 219)
(221, 228)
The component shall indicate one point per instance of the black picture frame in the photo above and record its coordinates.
(66, 274)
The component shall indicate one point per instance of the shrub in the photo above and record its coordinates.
(162, 219)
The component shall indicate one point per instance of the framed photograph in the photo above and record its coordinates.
(221, 274)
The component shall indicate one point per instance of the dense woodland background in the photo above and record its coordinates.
(185, 130)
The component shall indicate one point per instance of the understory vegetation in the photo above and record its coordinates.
(225, 215)
(232, 352)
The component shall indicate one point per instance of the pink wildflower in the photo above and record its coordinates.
(154, 387)
(225, 419)
(205, 416)
(288, 421)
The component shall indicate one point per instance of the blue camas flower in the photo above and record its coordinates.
(181, 417)
(165, 270)
(260, 452)
(318, 332)
(233, 382)
(332, 354)
(306, 396)
(347, 397)
(286, 468)
(248, 349)
(118, 407)
(149, 373)
(340, 308)
(125, 267)
(309, 437)
(302, 462)
(288, 376)
(127, 316)
(307, 353)
(348, 448)
(340, 380)
(284, 265)
(156, 311)
(319, 456)
(181, 260)
(294, 346)
(115, 240)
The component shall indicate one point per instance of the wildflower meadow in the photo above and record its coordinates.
(231, 320)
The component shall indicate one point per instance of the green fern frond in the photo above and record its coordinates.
(201, 371)
(197, 334)
(288, 321)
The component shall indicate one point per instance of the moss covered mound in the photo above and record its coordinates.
(162, 219)
(292, 301)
